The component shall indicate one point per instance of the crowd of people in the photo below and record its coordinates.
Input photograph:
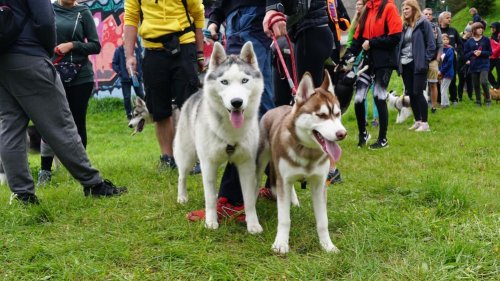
(428, 56)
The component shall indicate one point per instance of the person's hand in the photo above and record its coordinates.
(213, 28)
(64, 48)
(131, 63)
(477, 53)
(366, 45)
(278, 28)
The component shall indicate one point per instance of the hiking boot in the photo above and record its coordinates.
(44, 177)
(167, 162)
(24, 198)
(363, 139)
(225, 210)
(106, 188)
(333, 177)
(415, 125)
(196, 169)
(424, 127)
(379, 144)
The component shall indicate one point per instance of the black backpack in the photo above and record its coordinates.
(9, 30)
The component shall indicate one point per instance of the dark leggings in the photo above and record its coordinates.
(311, 49)
(464, 80)
(480, 80)
(414, 87)
(78, 97)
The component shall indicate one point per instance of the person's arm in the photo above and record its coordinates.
(486, 51)
(278, 28)
(430, 51)
(467, 50)
(43, 22)
(92, 46)
(131, 19)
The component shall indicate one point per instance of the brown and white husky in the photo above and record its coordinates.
(298, 143)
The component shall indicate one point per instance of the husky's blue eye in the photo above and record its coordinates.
(244, 80)
(224, 82)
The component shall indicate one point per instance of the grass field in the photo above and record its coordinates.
(426, 208)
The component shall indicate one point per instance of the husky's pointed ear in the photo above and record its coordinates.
(248, 55)
(139, 102)
(305, 89)
(218, 56)
(327, 84)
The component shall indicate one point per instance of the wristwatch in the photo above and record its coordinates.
(276, 7)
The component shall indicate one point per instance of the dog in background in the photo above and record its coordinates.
(298, 142)
(141, 116)
(220, 124)
(401, 104)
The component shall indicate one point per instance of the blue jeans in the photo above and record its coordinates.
(243, 25)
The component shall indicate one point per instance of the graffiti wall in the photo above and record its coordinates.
(108, 16)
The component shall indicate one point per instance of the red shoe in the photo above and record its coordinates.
(266, 193)
(225, 210)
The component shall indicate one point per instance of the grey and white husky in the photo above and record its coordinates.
(298, 142)
(219, 124)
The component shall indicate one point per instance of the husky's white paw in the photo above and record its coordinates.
(329, 247)
(254, 228)
(182, 199)
(211, 224)
(281, 248)
(294, 199)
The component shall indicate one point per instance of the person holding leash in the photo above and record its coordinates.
(31, 89)
(378, 35)
(174, 46)
(76, 39)
(417, 50)
(243, 23)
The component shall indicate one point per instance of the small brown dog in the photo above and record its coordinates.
(495, 94)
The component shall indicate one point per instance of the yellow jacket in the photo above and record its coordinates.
(164, 17)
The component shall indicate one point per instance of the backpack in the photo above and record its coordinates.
(9, 30)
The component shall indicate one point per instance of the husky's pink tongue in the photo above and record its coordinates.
(333, 149)
(236, 118)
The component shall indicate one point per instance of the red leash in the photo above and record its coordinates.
(292, 82)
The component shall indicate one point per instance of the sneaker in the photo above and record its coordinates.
(375, 123)
(424, 127)
(383, 143)
(488, 103)
(106, 188)
(44, 177)
(415, 125)
(24, 198)
(363, 139)
(454, 103)
(196, 169)
(433, 110)
(266, 193)
(333, 177)
(167, 162)
(225, 210)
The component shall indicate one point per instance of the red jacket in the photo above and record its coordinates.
(495, 49)
(383, 32)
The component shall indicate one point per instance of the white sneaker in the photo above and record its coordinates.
(424, 127)
(415, 126)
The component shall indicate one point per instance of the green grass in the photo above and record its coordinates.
(461, 18)
(427, 208)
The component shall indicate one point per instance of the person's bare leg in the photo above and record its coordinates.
(165, 135)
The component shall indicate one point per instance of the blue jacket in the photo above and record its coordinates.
(446, 68)
(120, 67)
(423, 45)
(481, 63)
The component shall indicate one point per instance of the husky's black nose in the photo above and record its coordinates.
(341, 134)
(236, 102)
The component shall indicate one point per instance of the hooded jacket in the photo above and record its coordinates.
(423, 45)
(383, 33)
(495, 41)
(85, 39)
(446, 67)
(38, 37)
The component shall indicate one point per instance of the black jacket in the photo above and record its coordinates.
(38, 37)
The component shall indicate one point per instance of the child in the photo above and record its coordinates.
(477, 50)
(446, 71)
